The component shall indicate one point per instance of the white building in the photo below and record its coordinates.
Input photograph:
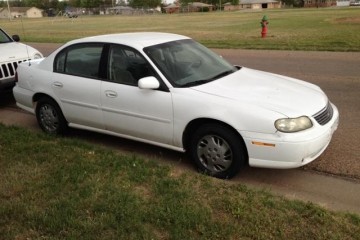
(28, 12)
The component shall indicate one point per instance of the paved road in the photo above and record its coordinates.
(336, 73)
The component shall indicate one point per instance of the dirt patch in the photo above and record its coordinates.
(348, 20)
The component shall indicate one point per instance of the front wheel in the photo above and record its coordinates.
(49, 116)
(217, 150)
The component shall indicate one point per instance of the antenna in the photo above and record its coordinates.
(9, 10)
(27, 50)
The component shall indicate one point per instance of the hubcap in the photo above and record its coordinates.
(214, 153)
(49, 118)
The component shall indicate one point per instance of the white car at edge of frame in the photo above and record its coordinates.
(170, 91)
(12, 52)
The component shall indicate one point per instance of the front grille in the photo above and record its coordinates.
(325, 115)
(8, 69)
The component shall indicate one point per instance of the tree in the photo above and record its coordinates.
(294, 3)
(42, 4)
(15, 3)
(90, 3)
(74, 3)
(144, 3)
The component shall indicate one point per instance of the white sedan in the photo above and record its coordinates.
(168, 90)
(12, 52)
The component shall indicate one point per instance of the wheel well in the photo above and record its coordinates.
(38, 96)
(194, 124)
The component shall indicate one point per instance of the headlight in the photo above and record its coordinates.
(289, 125)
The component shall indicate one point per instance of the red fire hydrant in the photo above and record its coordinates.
(264, 22)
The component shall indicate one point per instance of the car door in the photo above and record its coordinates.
(77, 84)
(128, 110)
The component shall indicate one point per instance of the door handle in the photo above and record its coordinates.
(110, 94)
(57, 84)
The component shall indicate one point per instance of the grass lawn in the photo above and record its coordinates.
(61, 188)
(323, 29)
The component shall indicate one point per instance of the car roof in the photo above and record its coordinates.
(136, 39)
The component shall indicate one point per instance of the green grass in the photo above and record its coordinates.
(323, 29)
(61, 188)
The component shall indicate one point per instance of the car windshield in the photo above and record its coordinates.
(187, 63)
(4, 38)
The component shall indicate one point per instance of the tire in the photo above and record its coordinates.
(217, 151)
(50, 117)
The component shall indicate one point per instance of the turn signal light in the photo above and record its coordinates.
(263, 144)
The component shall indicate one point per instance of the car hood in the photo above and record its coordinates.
(14, 51)
(287, 96)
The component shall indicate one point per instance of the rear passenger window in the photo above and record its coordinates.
(80, 60)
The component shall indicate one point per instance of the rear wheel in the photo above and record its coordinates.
(49, 116)
(217, 150)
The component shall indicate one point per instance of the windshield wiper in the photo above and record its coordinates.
(195, 83)
(222, 74)
(199, 82)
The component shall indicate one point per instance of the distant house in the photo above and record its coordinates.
(343, 3)
(122, 10)
(319, 3)
(252, 4)
(28, 12)
(172, 8)
(200, 7)
(190, 7)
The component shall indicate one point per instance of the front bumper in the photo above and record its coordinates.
(290, 150)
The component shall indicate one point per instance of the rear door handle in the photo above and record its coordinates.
(110, 94)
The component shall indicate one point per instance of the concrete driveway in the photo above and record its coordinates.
(333, 180)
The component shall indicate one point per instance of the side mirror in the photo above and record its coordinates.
(16, 38)
(148, 83)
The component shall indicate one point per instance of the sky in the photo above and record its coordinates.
(168, 1)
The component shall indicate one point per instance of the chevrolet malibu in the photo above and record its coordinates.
(168, 90)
